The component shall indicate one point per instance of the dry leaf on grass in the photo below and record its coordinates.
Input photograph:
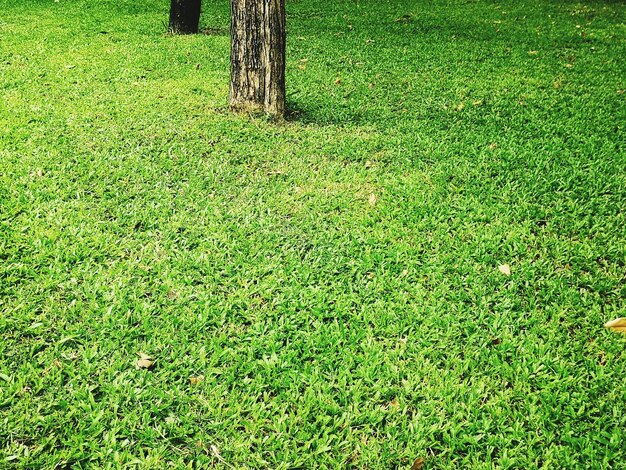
(144, 361)
(418, 464)
(619, 325)
(196, 380)
(505, 269)
(372, 199)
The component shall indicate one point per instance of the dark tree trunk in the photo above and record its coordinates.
(184, 16)
(257, 56)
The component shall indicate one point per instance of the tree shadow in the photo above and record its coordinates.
(215, 31)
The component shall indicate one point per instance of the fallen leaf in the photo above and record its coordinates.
(478, 103)
(394, 403)
(196, 380)
(372, 199)
(39, 172)
(144, 364)
(369, 164)
(144, 361)
(505, 269)
(418, 464)
(533, 52)
(619, 325)
(493, 146)
(620, 92)
(338, 81)
(460, 107)
(405, 272)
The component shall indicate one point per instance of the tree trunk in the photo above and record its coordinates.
(184, 16)
(257, 56)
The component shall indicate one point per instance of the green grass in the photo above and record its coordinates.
(332, 330)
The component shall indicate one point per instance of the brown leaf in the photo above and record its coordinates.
(196, 380)
(505, 269)
(460, 107)
(619, 325)
(372, 199)
(144, 361)
(418, 464)
(144, 364)
(338, 81)
(493, 146)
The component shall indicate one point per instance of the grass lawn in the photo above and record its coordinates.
(330, 284)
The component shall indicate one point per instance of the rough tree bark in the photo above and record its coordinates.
(257, 70)
(184, 16)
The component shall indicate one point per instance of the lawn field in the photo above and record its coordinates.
(325, 292)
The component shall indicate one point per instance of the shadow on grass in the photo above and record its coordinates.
(215, 31)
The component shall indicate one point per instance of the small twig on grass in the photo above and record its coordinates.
(219, 457)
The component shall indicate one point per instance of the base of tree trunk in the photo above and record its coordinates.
(258, 41)
(184, 16)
